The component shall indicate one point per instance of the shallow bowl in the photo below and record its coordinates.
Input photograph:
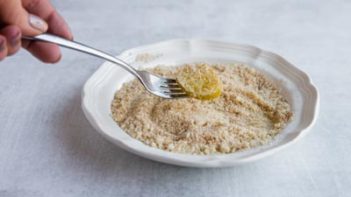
(295, 84)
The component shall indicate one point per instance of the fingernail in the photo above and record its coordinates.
(37, 23)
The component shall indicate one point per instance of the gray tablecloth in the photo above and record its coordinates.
(47, 147)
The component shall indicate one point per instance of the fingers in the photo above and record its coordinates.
(12, 35)
(46, 11)
(12, 13)
(16, 20)
(46, 52)
(32, 17)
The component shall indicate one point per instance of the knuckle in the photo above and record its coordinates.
(15, 19)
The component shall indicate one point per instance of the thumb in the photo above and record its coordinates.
(13, 13)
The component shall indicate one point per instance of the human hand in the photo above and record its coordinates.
(30, 18)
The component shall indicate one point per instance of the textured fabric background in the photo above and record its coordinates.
(47, 147)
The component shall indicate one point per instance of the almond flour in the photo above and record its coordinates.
(249, 113)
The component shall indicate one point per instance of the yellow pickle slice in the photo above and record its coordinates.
(200, 81)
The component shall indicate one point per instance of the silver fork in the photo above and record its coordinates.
(157, 85)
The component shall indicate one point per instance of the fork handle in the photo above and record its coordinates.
(82, 48)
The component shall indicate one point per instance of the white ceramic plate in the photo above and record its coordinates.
(99, 90)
